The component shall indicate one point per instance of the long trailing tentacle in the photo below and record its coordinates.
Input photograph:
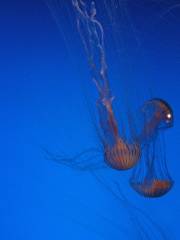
(146, 227)
(92, 36)
(87, 160)
(117, 226)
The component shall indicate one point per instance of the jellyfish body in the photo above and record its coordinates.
(158, 115)
(122, 156)
(153, 187)
(118, 153)
(151, 177)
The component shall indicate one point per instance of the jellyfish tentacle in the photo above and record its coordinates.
(89, 159)
(134, 209)
(145, 226)
(88, 25)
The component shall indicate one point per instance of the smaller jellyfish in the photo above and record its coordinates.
(157, 115)
(151, 178)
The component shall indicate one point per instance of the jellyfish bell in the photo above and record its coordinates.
(119, 152)
(157, 115)
(163, 113)
(122, 156)
(152, 188)
(151, 178)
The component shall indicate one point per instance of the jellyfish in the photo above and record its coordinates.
(119, 153)
(157, 116)
(151, 177)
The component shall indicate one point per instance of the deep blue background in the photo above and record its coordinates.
(42, 72)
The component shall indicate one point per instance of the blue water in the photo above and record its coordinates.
(44, 81)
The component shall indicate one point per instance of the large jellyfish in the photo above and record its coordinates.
(118, 152)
